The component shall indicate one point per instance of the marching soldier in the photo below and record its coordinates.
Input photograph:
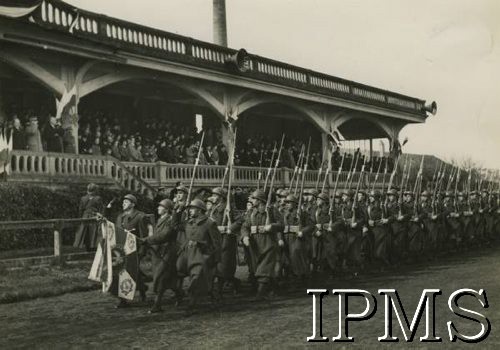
(135, 221)
(199, 253)
(163, 242)
(323, 251)
(354, 219)
(226, 268)
(259, 233)
(452, 214)
(379, 229)
(430, 225)
(398, 218)
(298, 234)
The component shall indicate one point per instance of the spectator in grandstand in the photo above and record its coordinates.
(124, 151)
(33, 137)
(52, 136)
(190, 154)
(223, 156)
(115, 149)
(18, 135)
(96, 147)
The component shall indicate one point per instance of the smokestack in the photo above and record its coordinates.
(220, 29)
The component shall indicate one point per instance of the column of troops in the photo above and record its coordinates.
(294, 238)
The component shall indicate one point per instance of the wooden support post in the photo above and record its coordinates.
(58, 245)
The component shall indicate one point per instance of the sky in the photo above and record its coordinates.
(442, 50)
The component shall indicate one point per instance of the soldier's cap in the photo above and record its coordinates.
(484, 190)
(33, 118)
(219, 191)
(92, 188)
(425, 194)
(167, 204)
(292, 198)
(182, 188)
(279, 192)
(449, 194)
(349, 193)
(338, 194)
(131, 198)
(461, 194)
(473, 192)
(324, 196)
(392, 192)
(260, 195)
(198, 203)
(408, 193)
(363, 192)
(375, 193)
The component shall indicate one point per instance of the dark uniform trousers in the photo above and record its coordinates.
(199, 254)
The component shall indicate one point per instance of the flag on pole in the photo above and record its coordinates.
(116, 263)
(18, 8)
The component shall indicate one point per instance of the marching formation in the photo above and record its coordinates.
(297, 234)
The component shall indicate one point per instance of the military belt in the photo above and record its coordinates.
(257, 229)
(292, 229)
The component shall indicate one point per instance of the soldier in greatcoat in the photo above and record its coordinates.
(228, 226)
(259, 232)
(164, 257)
(398, 216)
(379, 229)
(354, 221)
(297, 229)
(199, 253)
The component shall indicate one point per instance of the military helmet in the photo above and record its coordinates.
(425, 194)
(314, 192)
(324, 196)
(182, 188)
(292, 198)
(260, 195)
(219, 191)
(461, 194)
(284, 193)
(449, 194)
(375, 193)
(408, 193)
(392, 191)
(131, 198)
(338, 194)
(349, 193)
(167, 204)
(198, 203)
(363, 192)
(472, 193)
(92, 188)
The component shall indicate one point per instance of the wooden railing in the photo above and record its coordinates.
(57, 225)
(134, 38)
(144, 178)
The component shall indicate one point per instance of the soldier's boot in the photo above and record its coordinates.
(192, 306)
(236, 285)
(122, 303)
(157, 304)
(218, 289)
(261, 292)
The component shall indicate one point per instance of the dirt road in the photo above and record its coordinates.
(89, 320)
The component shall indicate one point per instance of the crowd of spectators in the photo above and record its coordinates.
(172, 142)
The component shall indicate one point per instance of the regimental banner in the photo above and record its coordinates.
(116, 263)
(18, 8)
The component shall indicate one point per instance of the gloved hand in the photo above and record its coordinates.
(300, 234)
(267, 228)
(385, 221)
(371, 223)
(317, 233)
(281, 243)
(354, 224)
(246, 241)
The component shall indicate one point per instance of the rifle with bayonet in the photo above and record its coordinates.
(270, 166)
(299, 208)
(196, 163)
(355, 199)
(273, 176)
(297, 166)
